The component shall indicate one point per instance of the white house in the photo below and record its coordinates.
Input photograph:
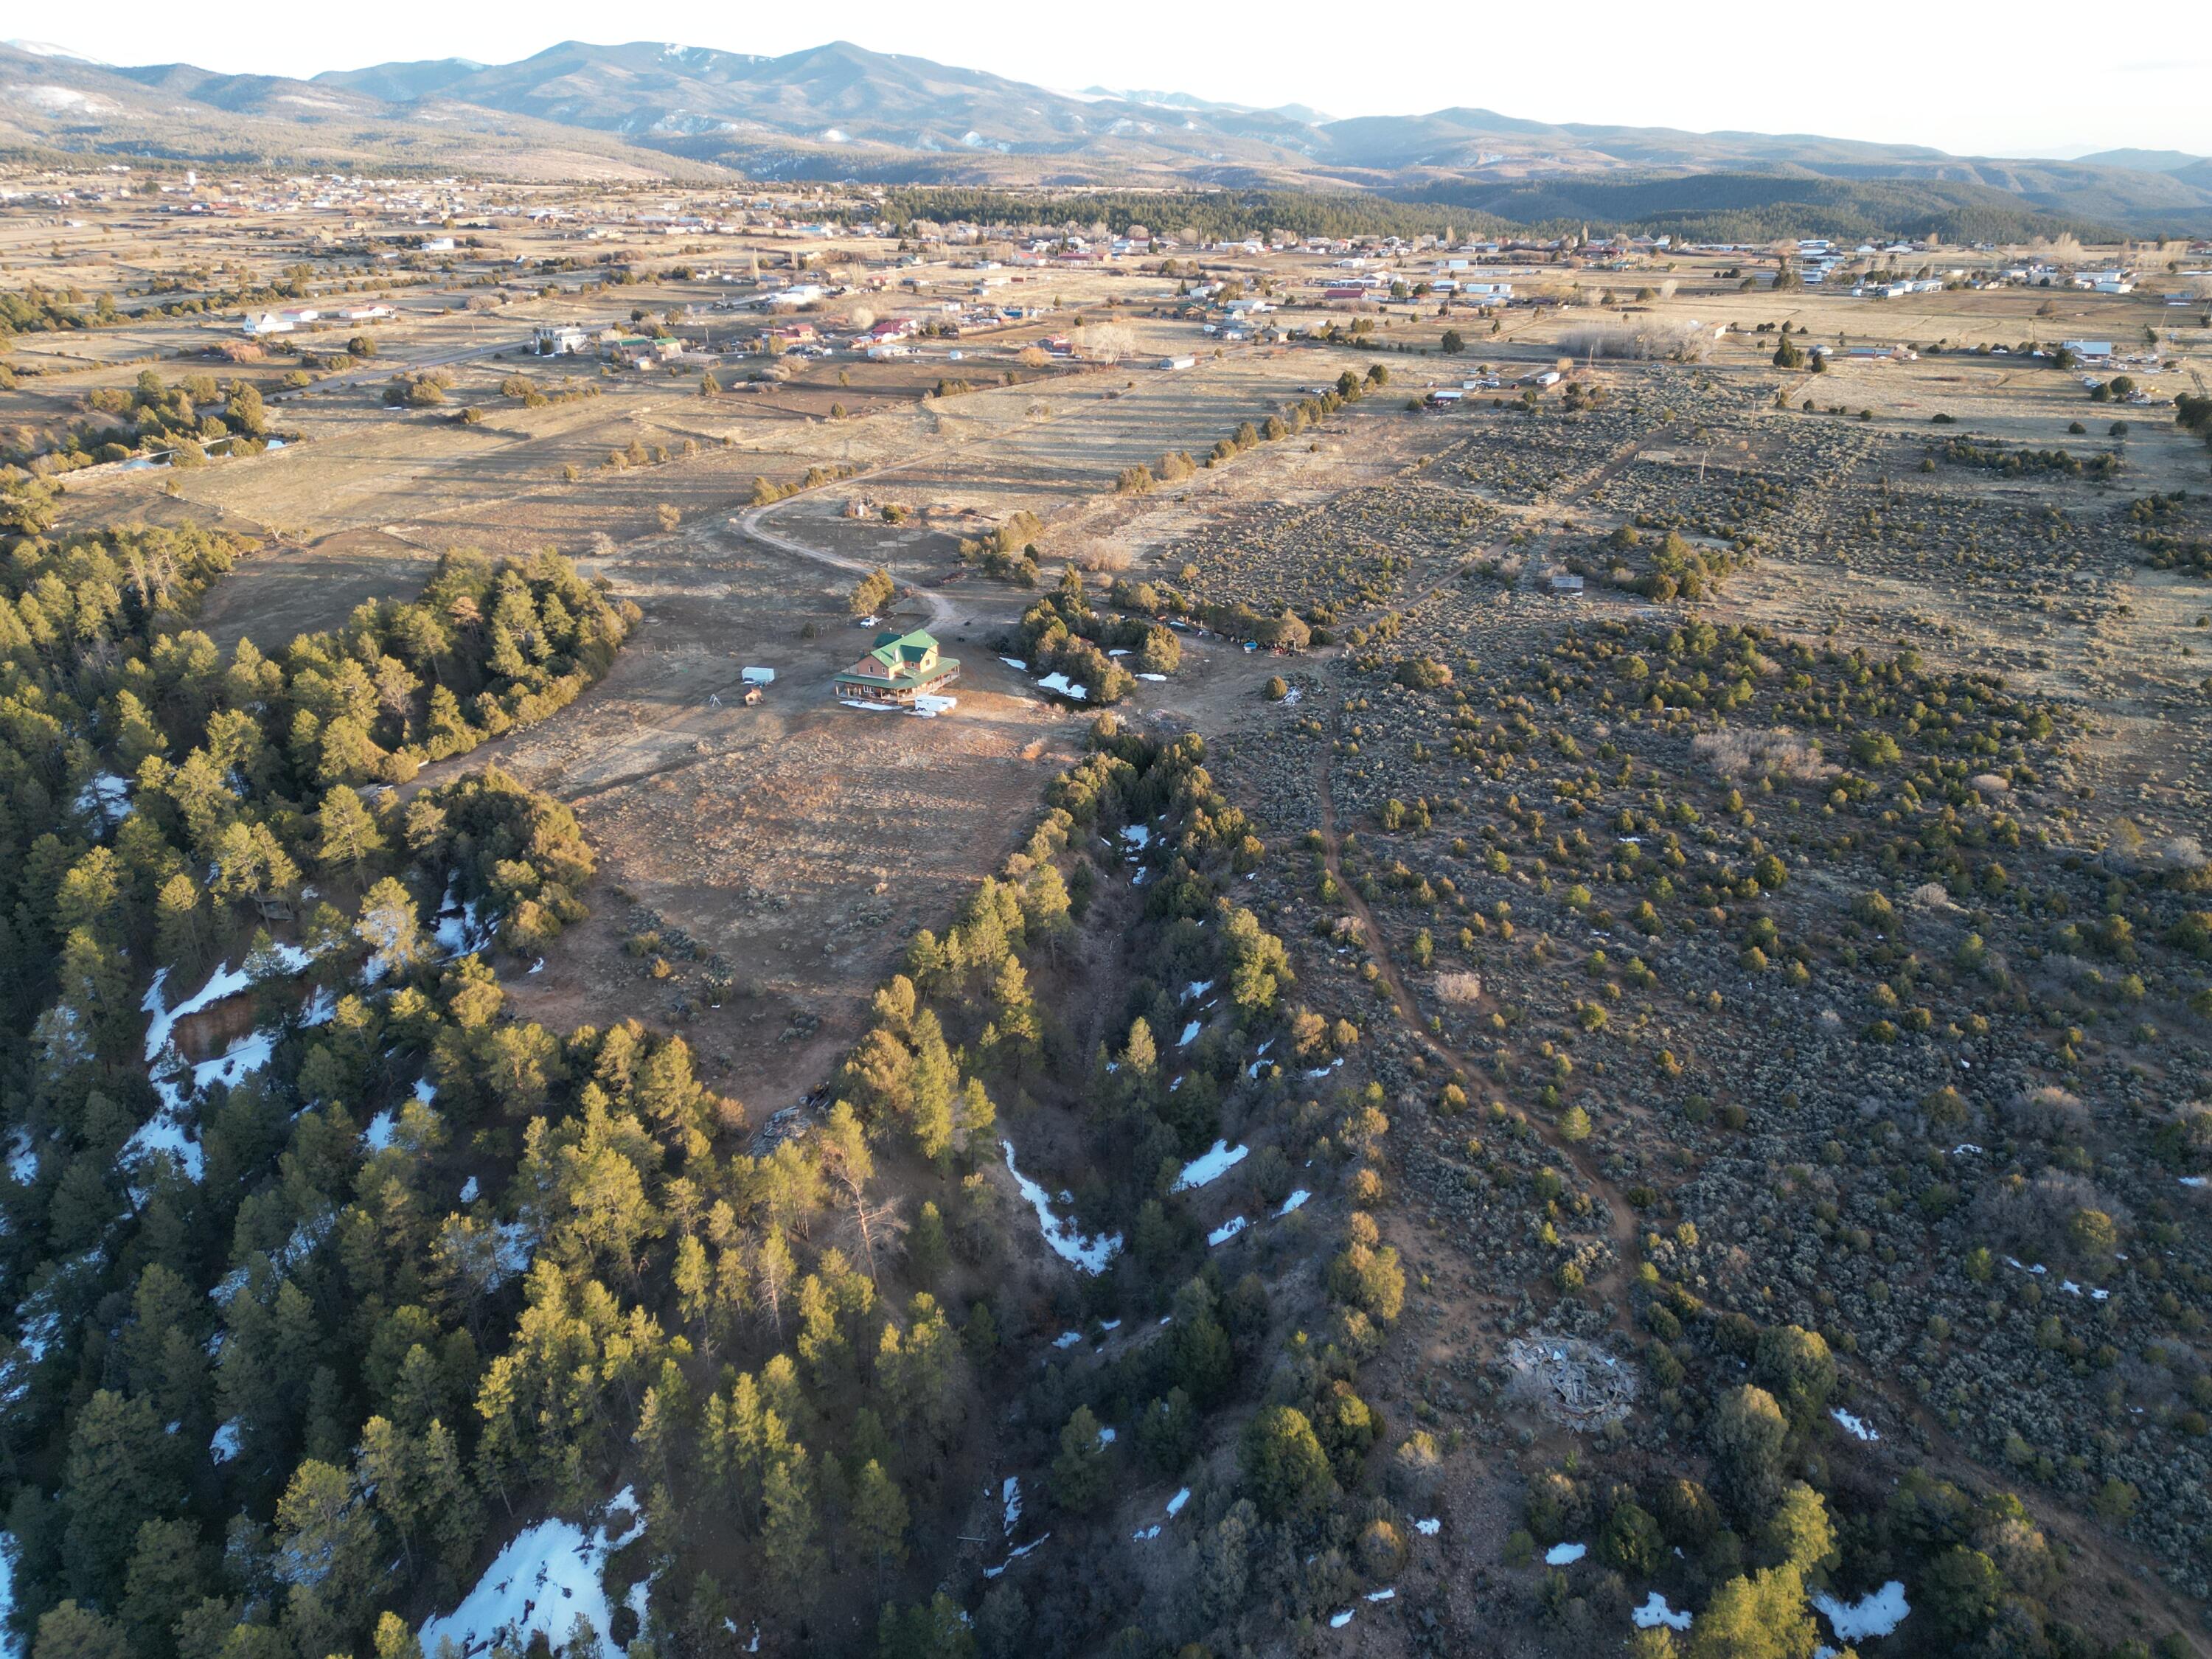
(280, 322)
(560, 340)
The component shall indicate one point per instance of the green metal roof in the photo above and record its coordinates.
(899, 657)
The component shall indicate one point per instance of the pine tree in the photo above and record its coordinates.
(347, 834)
(1079, 1472)
(934, 1083)
(773, 1268)
(179, 928)
(456, 1516)
(392, 929)
(115, 1476)
(386, 1464)
(879, 1518)
(394, 1640)
(847, 1161)
(168, 1567)
(927, 1252)
(72, 1631)
(787, 1528)
(694, 1284)
(977, 1116)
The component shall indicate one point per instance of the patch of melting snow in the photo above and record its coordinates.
(9, 1647)
(1857, 1428)
(1087, 1255)
(176, 1084)
(1143, 675)
(2196, 1181)
(469, 1190)
(224, 1446)
(1323, 1071)
(1138, 835)
(1013, 1556)
(1067, 1339)
(1016, 664)
(1190, 1034)
(22, 1157)
(1562, 1555)
(1176, 1504)
(1197, 988)
(1010, 1502)
(378, 1135)
(1656, 1612)
(1339, 1620)
(1060, 684)
(511, 1258)
(1210, 1166)
(1383, 1595)
(1143, 1535)
(1106, 1435)
(1227, 1230)
(1878, 1613)
(106, 797)
(548, 1575)
(425, 1091)
(1296, 1200)
(458, 931)
(1429, 1527)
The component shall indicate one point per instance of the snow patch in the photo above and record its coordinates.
(1227, 1230)
(1656, 1612)
(1176, 1504)
(106, 797)
(547, 1577)
(1564, 1555)
(1857, 1428)
(1878, 1613)
(1429, 1527)
(1210, 1166)
(1087, 1255)
(1013, 1556)
(224, 1445)
(1294, 1201)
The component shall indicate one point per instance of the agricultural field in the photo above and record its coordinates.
(1570, 1015)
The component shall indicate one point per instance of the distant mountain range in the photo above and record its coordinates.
(647, 110)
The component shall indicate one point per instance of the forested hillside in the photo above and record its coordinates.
(337, 1279)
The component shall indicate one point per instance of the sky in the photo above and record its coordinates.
(2025, 78)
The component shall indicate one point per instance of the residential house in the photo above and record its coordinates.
(899, 669)
(560, 340)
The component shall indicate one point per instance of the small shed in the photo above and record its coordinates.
(757, 676)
